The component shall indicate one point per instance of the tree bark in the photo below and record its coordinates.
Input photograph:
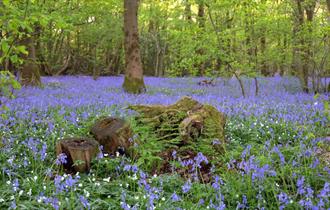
(201, 15)
(201, 25)
(300, 63)
(264, 68)
(79, 153)
(133, 82)
(327, 88)
(308, 53)
(30, 74)
(187, 10)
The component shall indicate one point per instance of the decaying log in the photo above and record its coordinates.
(79, 152)
(188, 121)
(206, 82)
(114, 134)
(323, 151)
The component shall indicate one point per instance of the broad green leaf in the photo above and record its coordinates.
(4, 46)
(22, 49)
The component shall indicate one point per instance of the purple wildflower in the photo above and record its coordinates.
(300, 185)
(217, 182)
(246, 152)
(175, 197)
(283, 198)
(199, 159)
(186, 187)
(216, 142)
(13, 205)
(279, 153)
(100, 154)
(84, 202)
(61, 159)
(174, 154)
(43, 152)
(201, 202)
(325, 192)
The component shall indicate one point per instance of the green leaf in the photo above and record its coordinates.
(14, 59)
(22, 49)
(5, 2)
(5, 46)
(326, 105)
(16, 85)
(316, 96)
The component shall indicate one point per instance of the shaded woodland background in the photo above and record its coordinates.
(177, 38)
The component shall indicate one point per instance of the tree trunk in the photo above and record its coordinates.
(299, 63)
(79, 153)
(187, 10)
(201, 15)
(201, 25)
(327, 87)
(264, 68)
(30, 71)
(133, 82)
(308, 53)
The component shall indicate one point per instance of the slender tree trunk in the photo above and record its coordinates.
(264, 70)
(299, 63)
(256, 85)
(2, 66)
(201, 15)
(133, 82)
(30, 71)
(308, 53)
(240, 83)
(3, 63)
(327, 87)
(201, 25)
(283, 66)
(96, 72)
(187, 10)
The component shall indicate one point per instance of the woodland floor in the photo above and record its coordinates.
(275, 154)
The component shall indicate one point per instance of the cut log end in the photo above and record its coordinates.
(79, 152)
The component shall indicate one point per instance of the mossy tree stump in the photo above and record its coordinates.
(324, 151)
(79, 152)
(186, 125)
(114, 134)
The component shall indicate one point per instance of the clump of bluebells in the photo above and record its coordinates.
(271, 159)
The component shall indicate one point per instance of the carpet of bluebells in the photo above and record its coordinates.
(271, 161)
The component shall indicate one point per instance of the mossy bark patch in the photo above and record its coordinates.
(134, 85)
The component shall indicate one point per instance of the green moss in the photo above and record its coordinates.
(184, 126)
(134, 85)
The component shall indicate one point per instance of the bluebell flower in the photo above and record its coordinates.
(43, 152)
(300, 185)
(200, 158)
(325, 192)
(246, 152)
(61, 159)
(175, 197)
(186, 187)
(201, 202)
(217, 182)
(84, 202)
(174, 154)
